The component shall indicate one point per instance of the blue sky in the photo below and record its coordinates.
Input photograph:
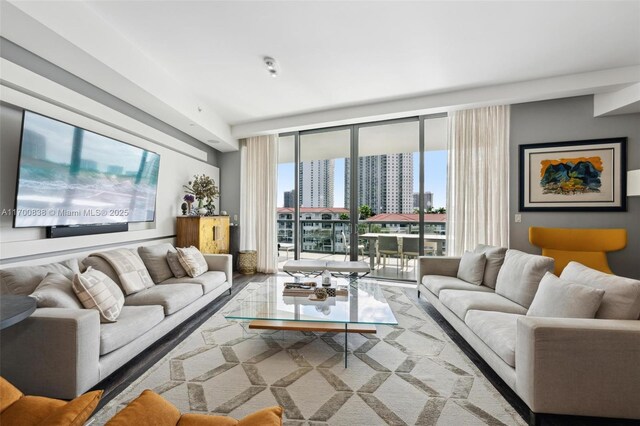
(435, 178)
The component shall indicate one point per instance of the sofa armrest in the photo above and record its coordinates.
(221, 262)
(55, 352)
(587, 367)
(437, 265)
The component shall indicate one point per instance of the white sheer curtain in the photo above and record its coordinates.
(478, 182)
(258, 187)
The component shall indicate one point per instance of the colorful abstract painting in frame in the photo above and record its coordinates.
(587, 175)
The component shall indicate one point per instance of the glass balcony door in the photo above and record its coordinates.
(388, 181)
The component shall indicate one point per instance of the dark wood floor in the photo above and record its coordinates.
(131, 371)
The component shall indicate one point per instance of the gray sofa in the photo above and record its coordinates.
(584, 367)
(61, 353)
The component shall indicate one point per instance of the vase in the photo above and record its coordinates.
(202, 211)
(188, 208)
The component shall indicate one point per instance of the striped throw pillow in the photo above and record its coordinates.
(192, 261)
(95, 290)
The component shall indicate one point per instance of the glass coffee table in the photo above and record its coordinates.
(359, 311)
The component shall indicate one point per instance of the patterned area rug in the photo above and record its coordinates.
(409, 374)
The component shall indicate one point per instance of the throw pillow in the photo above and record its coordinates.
(56, 291)
(95, 291)
(155, 259)
(174, 264)
(22, 280)
(192, 261)
(495, 259)
(559, 298)
(148, 409)
(471, 267)
(621, 295)
(74, 413)
(520, 275)
(103, 266)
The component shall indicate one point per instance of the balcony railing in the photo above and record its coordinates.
(326, 236)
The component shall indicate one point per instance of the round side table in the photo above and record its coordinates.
(14, 309)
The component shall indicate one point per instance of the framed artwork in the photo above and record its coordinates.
(574, 176)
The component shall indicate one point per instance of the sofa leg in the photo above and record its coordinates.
(534, 419)
(229, 291)
(418, 294)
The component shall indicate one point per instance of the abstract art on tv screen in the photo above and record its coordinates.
(587, 175)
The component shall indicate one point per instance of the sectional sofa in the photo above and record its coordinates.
(572, 366)
(62, 352)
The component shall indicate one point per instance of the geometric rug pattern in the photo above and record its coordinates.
(409, 374)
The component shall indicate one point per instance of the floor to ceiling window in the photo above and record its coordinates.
(324, 217)
(368, 208)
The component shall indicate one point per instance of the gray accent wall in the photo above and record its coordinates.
(571, 119)
(230, 184)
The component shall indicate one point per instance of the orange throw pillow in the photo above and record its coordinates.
(75, 412)
(8, 394)
(265, 417)
(271, 416)
(148, 409)
(30, 410)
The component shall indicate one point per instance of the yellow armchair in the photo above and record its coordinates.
(586, 246)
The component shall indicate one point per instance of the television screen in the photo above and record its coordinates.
(71, 176)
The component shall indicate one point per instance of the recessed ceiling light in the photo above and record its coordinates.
(213, 141)
(272, 66)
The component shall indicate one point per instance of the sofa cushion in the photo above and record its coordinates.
(461, 301)
(621, 295)
(97, 291)
(471, 267)
(192, 261)
(171, 297)
(131, 270)
(155, 259)
(22, 280)
(8, 394)
(520, 276)
(497, 330)
(75, 412)
(103, 266)
(558, 298)
(436, 283)
(209, 280)
(495, 259)
(133, 322)
(175, 265)
(55, 291)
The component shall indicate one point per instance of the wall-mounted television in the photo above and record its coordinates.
(69, 176)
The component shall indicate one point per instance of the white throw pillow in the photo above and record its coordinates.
(558, 298)
(471, 267)
(495, 259)
(192, 261)
(97, 291)
(55, 291)
(520, 275)
(621, 295)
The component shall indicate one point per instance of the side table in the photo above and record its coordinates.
(14, 309)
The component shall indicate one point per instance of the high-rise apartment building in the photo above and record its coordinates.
(289, 198)
(428, 200)
(385, 181)
(316, 183)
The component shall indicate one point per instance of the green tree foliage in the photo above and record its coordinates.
(365, 211)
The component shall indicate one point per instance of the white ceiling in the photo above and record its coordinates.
(337, 54)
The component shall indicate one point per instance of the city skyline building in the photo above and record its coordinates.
(428, 200)
(289, 198)
(385, 182)
(316, 183)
